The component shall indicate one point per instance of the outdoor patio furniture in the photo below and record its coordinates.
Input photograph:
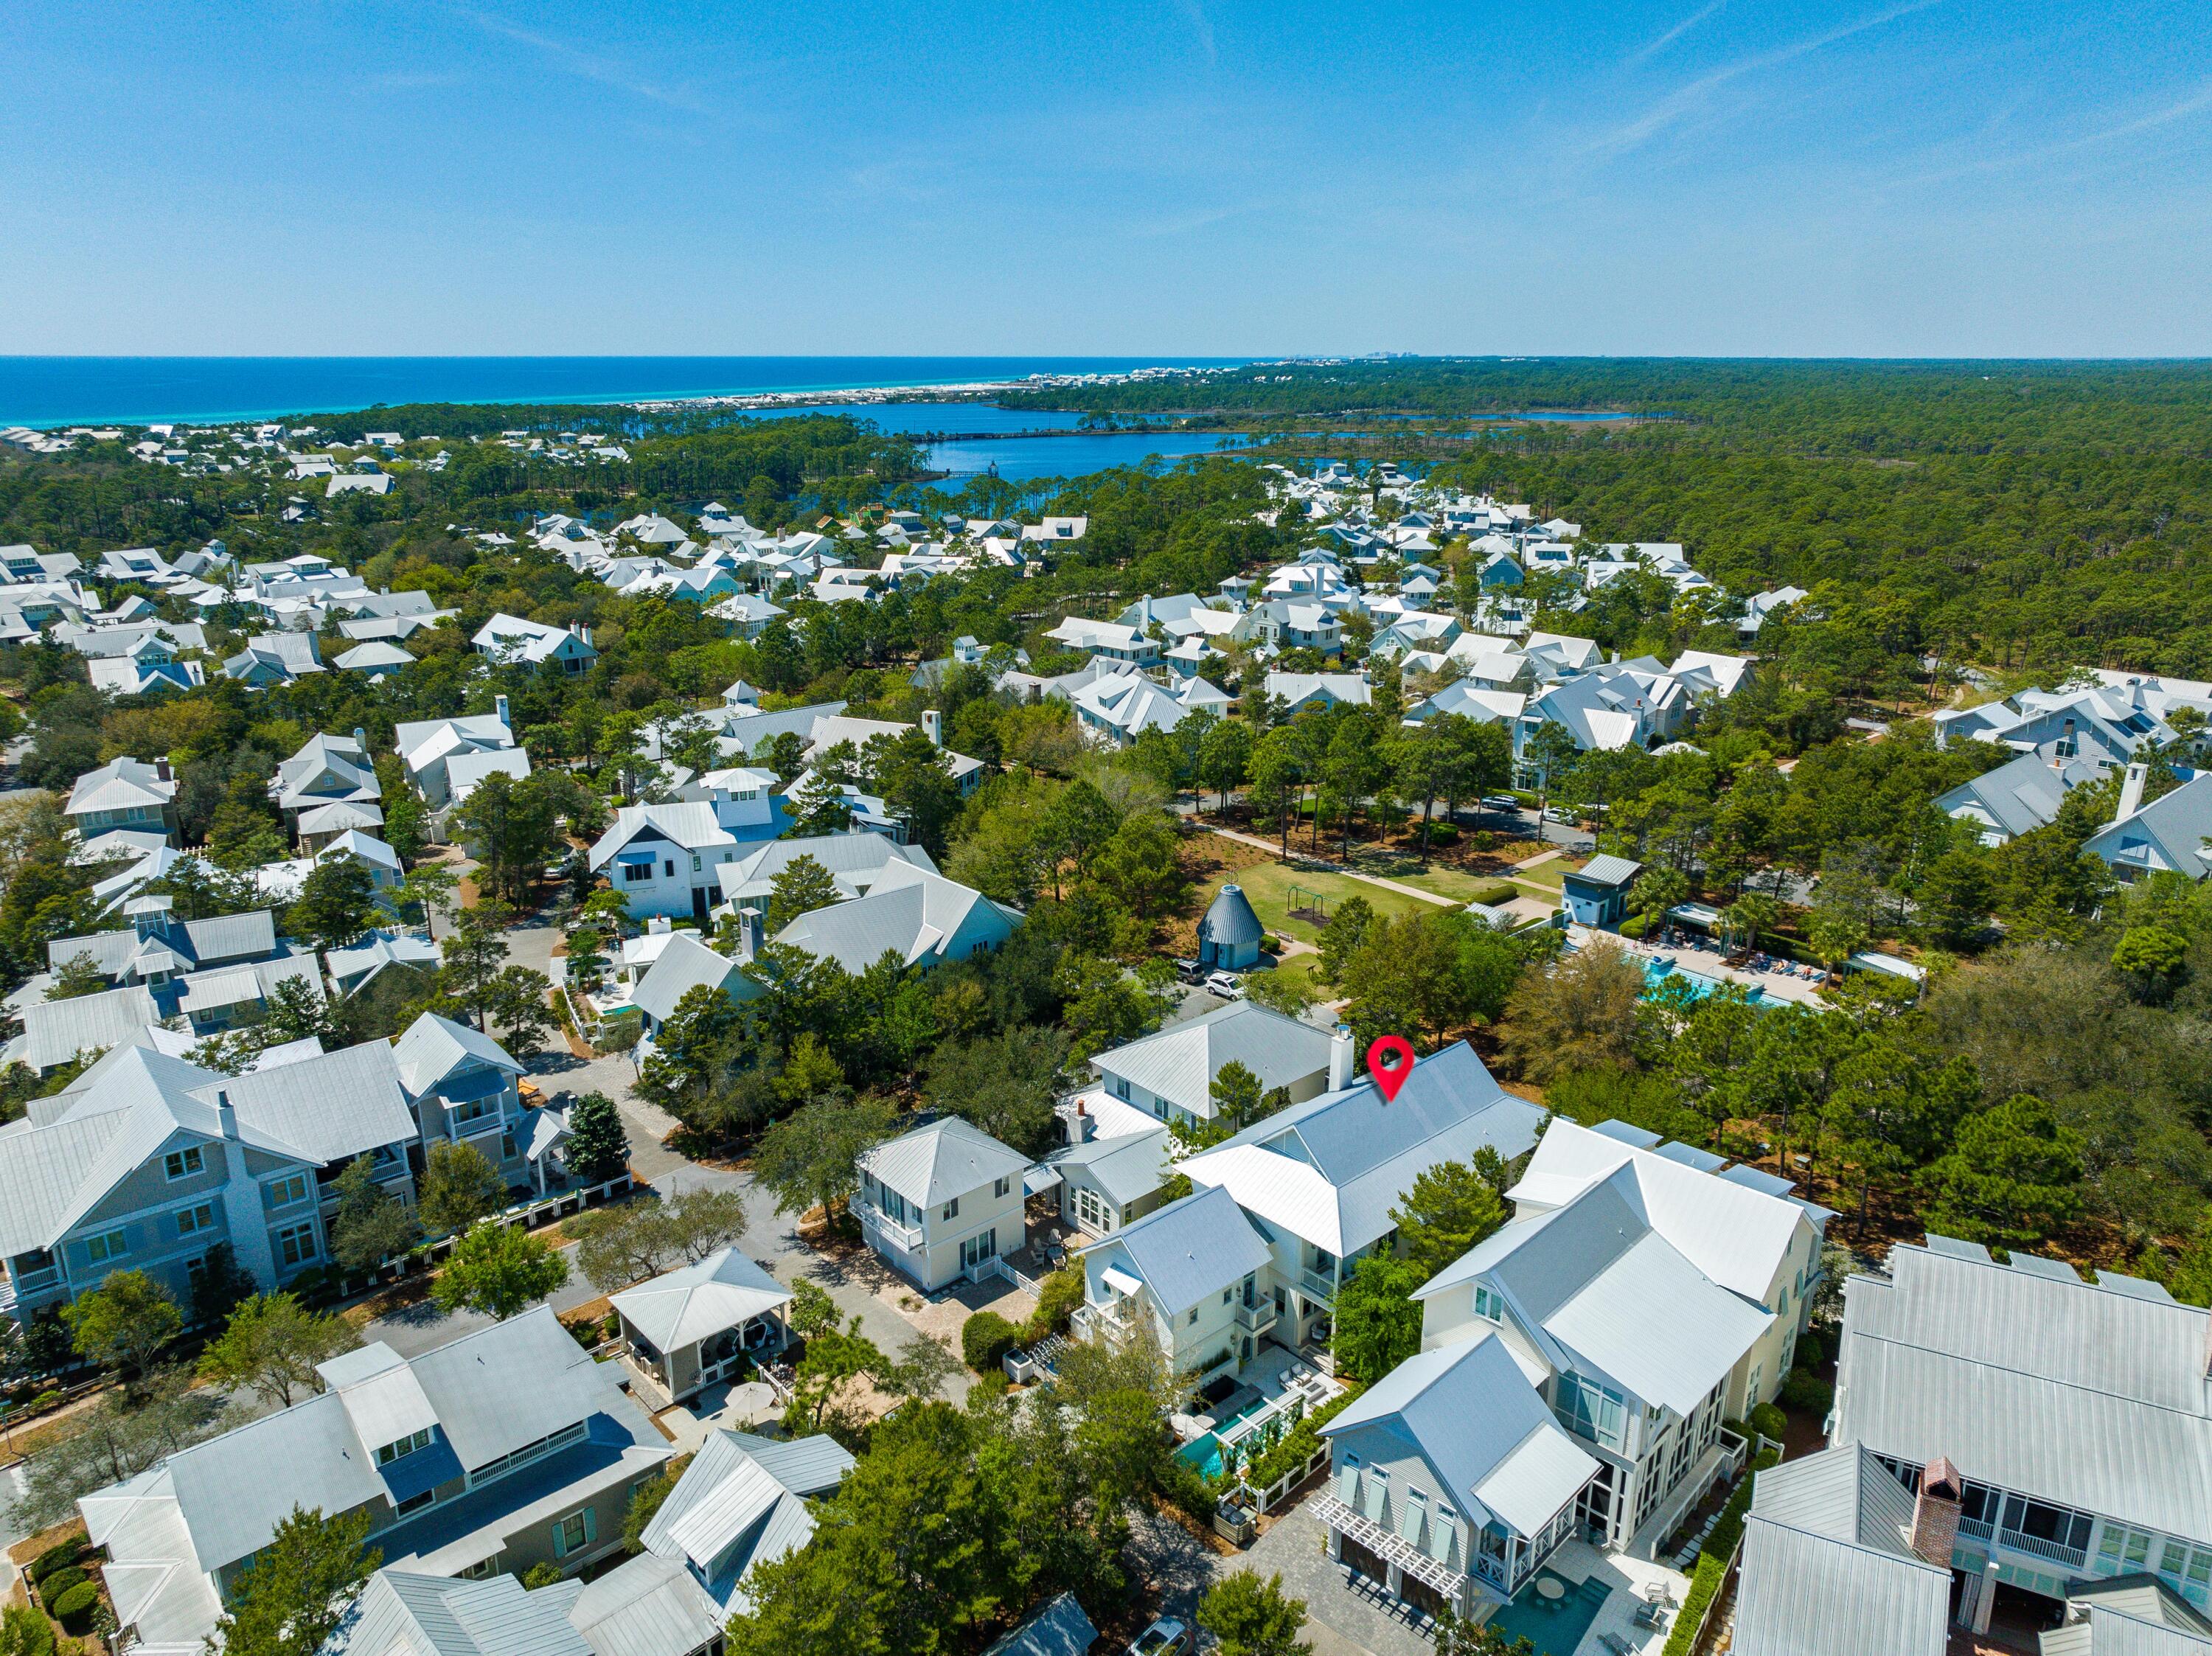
(1616, 1644)
(1650, 1616)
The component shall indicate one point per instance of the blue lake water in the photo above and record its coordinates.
(1024, 458)
(59, 391)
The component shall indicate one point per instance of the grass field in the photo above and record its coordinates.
(1267, 884)
(1447, 881)
(1549, 875)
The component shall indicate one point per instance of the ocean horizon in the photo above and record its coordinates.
(47, 391)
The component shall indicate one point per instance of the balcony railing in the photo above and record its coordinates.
(1256, 1318)
(1108, 1325)
(2057, 1551)
(898, 1233)
(1979, 1529)
(1315, 1286)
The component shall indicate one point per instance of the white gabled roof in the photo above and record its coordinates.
(948, 1158)
(682, 1307)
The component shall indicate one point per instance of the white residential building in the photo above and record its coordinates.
(938, 1201)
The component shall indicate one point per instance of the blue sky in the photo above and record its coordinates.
(1710, 177)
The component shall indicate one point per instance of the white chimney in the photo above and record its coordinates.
(2131, 791)
(499, 706)
(749, 934)
(933, 726)
(1339, 1059)
(225, 1115)
(1145, 613)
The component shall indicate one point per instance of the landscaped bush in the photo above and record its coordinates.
(1062, 1292)
(1485, 840)
(985, 1340)
(1636, 925)
(25, 1631)
(989, 1384)
(54, 1585)
(1713, 1558)
(1814, 1347)
(1297, 1444)
(57, 1557)
(1442, 834)
(74, 1608)
(1807, 1392)
(1497, 896)
(1769, 1420)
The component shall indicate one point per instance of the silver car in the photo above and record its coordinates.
(1166, 1637)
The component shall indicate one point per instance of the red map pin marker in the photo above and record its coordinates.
(1389, 1061)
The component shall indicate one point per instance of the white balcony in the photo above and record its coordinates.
(905, 1238)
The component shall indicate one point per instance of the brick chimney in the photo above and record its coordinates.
(1935, 1512)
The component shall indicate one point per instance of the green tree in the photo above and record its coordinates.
(1235, 1092)
(336, 903)
(598, 1147)
(1006, 1084)
(628, 1242)
(272, 1347)
(1252, 1617)
(76, 976)
(2012, 1176)
(1579, 1013)
(124, 1322)
(1378, 1322)
(2190, 1278)
(1549, 754)
(691, 1050)
(1450, 1208)
(2152, 960)
(497, 1270)
(300, 1588)
(1341, 936)
(473, 952)
(1224, 753)
(458, 1187)
(802, 886)
(513, 827)
(1954, 898)
(370, 1224)
(519, 1002)
(647, 1502)
(808, 1159)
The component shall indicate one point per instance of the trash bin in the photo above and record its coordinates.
(1232, 1523)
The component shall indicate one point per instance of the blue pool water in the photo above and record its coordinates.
(1555, 1630)
(1203, 1452)
(1657, 972)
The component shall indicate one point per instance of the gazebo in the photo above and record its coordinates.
(694, 1325)
(1229, 936)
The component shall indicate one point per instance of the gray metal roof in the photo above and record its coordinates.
(329, 1107)
(1230, 918)
(403, 1613)
(910, 912)
(948, 1158)
(648, 1606)
(431, 1049)
(1191, 1248)
(1126, 1168)
(1826, 1571)
(1179, 1063)
(854, 857)
(2129, 1616)
(1606, 870)
(1474, 1418)
(1061, 1628)
(683, 965)
(682, 1307)
(2081, 1394)
(56, 1031)
(732, 1510)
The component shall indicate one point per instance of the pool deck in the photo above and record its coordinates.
(1775, 986)
(1630, 1578)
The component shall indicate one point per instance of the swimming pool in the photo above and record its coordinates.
(1555, 1629)
(1658, 968)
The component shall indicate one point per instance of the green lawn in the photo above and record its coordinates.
(1455, 884)
(1268, 887)
(1549, 875)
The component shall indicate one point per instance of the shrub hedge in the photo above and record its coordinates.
(54, 1558)
(1807, 1392)
(1298, 1443)
(1768, 1421)
(1713, 1560)
(76, 1602)
(985, 1340)
(59, 1582)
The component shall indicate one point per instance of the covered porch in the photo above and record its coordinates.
(702, 1325)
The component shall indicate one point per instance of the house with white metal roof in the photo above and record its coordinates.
(2076, 1412)
(664, 858)
(1317, 692)
(1650, 1292)
(854, 860)
(741, 1503)
(1112, 1167)
(508, 637)
(695, 1324)
(405, 1613)
(428, 746)
(2017, 798)
(1170, 1074)
(499, 1451)
(1061, 1628)
(2168, 835)
(1195, 1272)
(939, 1200)
(685, 963)
(1450, 1482)
(462, 1086)
(147, 1162)
(126, 795)
(1319, 1178)
(2129, 1616)
(912, 913)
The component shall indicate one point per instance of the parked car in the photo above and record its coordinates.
(1166, 1637)
(1500, 802)
(1191, 971)
(1561, 814)
(1225, 983)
